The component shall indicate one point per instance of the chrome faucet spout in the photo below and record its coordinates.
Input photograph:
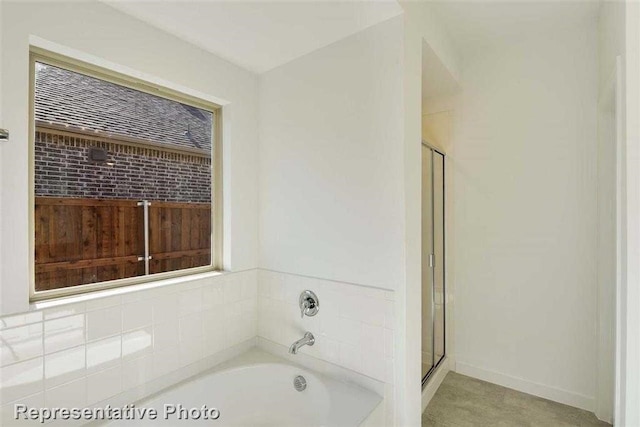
(307, 339)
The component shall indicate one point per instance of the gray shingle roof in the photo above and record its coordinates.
(67, 98)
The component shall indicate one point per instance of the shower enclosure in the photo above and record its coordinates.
(433, 262)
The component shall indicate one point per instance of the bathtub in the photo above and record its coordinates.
(259, 393)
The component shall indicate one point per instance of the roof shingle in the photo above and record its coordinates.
(65, 97)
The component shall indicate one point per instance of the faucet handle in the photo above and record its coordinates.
(309, 304)
(311, 340)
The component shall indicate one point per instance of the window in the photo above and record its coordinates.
(126, 180)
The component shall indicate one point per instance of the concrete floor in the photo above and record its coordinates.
(464, 401)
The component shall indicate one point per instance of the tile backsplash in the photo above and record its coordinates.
(353, 328)
(122, 347)
(84, 353)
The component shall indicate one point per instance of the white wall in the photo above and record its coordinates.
(421, 26)
(120, 345)
(525, 215)
(611, 42)
(611, 38)
(100, 34)
(331, 161)
(607, 255)
(630, 295)
(331, 209)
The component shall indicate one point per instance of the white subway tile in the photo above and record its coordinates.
(389, 314)
(190, 351)
(213, 295)
(165, 307)
(190, 301)
(20, 343)
(191, 328)
(213, 324)
(351, 305)
(104, 353)
(293, 286)
(265, 279)
(7, 412)
(104, 323)
(239, 329)
(137, 372)
(388, 344)
(136, 315)
(329, 303)
(277, 290)
(373, 292)
(20, 319)
(64, 310)
(373, 365)
(165, 361)
(64, 366)
(389, 371)
(137, 342)
(104, 384)
(252, 329)
(249, 287)
(372, 341)
(233, 290)
(306, 323)
(105, 302)
(325, 349)
(231, 309)
(214, 339)
(333, 286)
(350, 356)
(21, 379)
(70, 395)
(143, 295)
(248, 306)
(165, 334)
(191, 285)
(354, 322)
(341, 329)
(267, 326)
(363, 308)
(63, 333)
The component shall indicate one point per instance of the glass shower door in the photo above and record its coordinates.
(438, 251)
(433, 266)
(427, 273)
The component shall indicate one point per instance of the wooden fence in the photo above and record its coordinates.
(81, 241)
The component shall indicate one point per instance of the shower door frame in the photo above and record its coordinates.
(435, 364)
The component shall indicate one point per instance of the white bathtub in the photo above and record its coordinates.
(261, 393)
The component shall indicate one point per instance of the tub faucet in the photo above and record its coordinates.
(307, 339)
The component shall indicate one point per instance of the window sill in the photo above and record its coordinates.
(124, 290)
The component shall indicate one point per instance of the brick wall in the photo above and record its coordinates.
(63, 169)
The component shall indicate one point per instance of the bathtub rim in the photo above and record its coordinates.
(256, 356)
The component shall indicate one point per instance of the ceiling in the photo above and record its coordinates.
(474, 24)
(259, 35)
(436, 78)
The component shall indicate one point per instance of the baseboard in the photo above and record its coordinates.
(434, 382)
(547, 392)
